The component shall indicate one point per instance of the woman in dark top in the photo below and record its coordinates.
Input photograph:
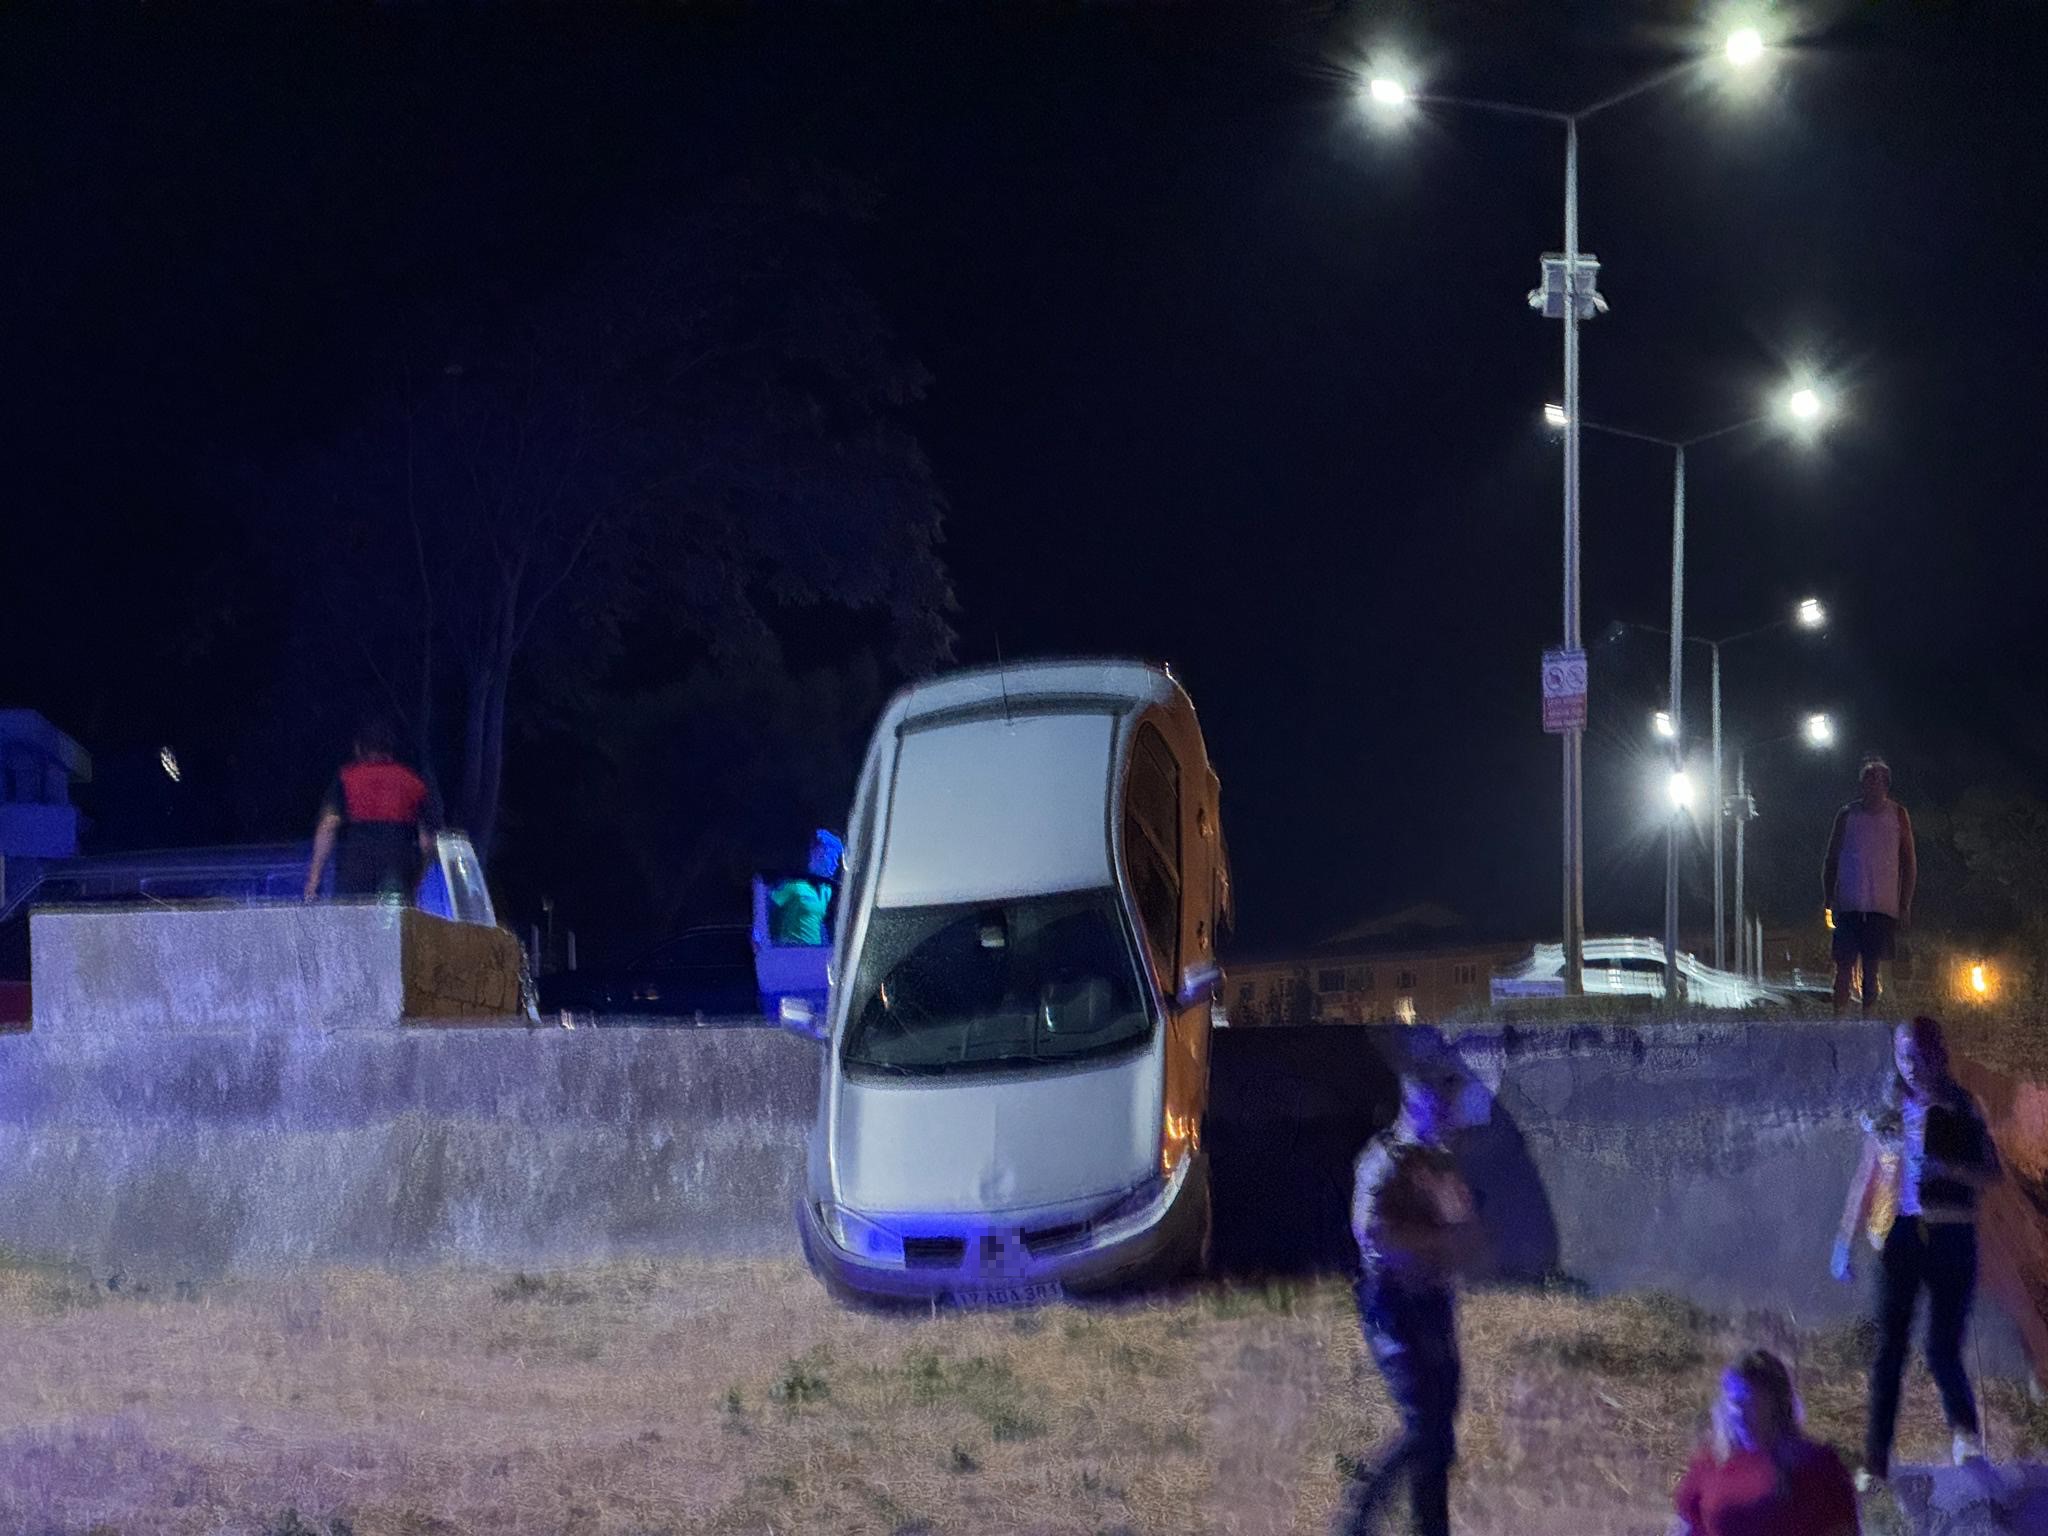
(1759, 1475)
(1944, 1158)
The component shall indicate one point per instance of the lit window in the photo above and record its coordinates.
(1404, 1010)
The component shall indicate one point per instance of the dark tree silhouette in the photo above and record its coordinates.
(704, 426)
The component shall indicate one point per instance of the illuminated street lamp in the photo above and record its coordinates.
(1554, 416)
(1808, 615)
(1667, 724)
(1817, 732)
(1680, 791)
(1568, 291)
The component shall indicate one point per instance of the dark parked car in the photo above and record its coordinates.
(705, 973)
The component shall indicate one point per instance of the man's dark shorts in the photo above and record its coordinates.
(1863, 935)
(377, 858)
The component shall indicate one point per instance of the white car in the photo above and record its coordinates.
(1023, 982)
(1633, 968)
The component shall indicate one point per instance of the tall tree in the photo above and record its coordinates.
(662, 800)
(704, 424)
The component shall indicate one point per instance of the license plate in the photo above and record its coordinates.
(1010, 1296)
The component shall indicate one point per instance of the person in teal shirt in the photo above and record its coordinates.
(797, 908)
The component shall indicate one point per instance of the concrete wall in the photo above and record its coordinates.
(190, 1153)
(1708, 1160)
(331, 965)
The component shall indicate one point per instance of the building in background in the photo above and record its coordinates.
(1422, 962)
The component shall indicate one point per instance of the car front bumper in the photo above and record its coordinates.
(1000, 1258)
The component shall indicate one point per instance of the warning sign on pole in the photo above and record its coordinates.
(1564, 691)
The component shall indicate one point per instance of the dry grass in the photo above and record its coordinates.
(733, 1398)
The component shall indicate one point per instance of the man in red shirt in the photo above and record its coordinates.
(376, 822)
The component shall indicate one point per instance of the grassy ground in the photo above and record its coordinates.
(730, 1398)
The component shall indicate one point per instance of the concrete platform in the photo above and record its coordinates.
(202, 966)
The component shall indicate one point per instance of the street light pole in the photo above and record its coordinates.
(1818, 731)
(1574, 738)
(1806, 405)
(1675, 706)
(1741, 827)
(1720, 955)
(1809, 614)
(1576, 285)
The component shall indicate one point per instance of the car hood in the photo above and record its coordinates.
(984, 1145)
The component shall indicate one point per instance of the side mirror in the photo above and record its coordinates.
(1200, 983)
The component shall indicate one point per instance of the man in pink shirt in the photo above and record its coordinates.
(1867, 882)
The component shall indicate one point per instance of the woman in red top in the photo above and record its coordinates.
(1760, 1475)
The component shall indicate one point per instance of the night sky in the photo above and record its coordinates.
(1225, 374)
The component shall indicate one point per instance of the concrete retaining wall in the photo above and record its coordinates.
(194, 1153)
(1708, 1160)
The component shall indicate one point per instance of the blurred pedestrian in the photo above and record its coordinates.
(377, 822)
(1946, 1158)
(1758, 1474)
(1867, 882)
(1417, 1231)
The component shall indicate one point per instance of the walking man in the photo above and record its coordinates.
(1867, 881)
(376, 822)
(1417, 1231)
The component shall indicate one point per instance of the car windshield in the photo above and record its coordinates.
(1040, 981)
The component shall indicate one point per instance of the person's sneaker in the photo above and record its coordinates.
(1967, 1448)
(1867, 1479)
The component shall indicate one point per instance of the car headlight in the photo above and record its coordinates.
(856, 1235)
